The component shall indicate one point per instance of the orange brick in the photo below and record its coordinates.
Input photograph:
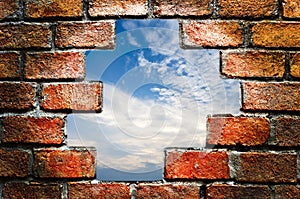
(9, 9)
(57, 65)
(287, 191)
(253, 64)
(295, 65)
(276, 34)
(9, 65)
(212, 34)
(291, 8)
(286, 131)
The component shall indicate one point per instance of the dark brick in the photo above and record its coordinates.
(287, 192)
(9, 65)
(287, 131)
(9, 9)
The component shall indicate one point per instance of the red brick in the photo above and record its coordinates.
(295, 65)
(24, 129)
(197, 165)
(271, 96)
(72, 96)
(14, 163)
(18, 96)
(247, 131)
(253, 64)
(182, 8)
(65, 163)
(237, 191)
(248, 8)
(287, 131)
(57, 65)
(287, 192)
(167, 191)
(9, 65)
(9, 9)
(276, 34)
(53, 8)
(77, 190)
(212, 34)
(262, 167)
(85, 35)
(291, 8)
(16, 190)
(25, 35)
(118, 8)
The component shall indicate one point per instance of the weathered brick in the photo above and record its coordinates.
(167, 191)
(53, 8)
(24, 129)
(248, 131)
(237, 191)
(9, 65)
(197, 165)
(291, 8)
(260, 167)
(248, 8)
(287, 131)
(64, 163)
(17, 96)
(77, 190)
(182, 8)
(72, 96)
(57, 65)
(253, 64)
(118, 8)
(16, 190)
(85, 35)
(271, 96)
(287, 192)
(295, 65)
(14, 163)
(276, 34)
(9, 9)
(25, 35)
(212, 34)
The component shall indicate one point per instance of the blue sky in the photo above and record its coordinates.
(156, 95)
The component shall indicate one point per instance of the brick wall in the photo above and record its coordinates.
(254, 155)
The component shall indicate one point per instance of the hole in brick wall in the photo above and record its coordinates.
(156, 95)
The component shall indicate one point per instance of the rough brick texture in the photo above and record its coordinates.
(248, 131)
(17, 96)
(16, 190)
(85, 35)
(276, 34)
(14, 163)
(10, 65)
(9, 9)
(77, 190)
(287, 131)
(287, 192)
(182, 8)
(196, 165)
(212, 34)
(58, 65)
(295, 65)
(291, 9)
(253, 64)
(64, 163)
(271, 96)
(54, 8)
(24, 129)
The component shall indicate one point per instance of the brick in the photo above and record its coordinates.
(271, 96)
(247, 8)
(247, 131)
(24, 129)
(9, 9)
(237, 191)
(9, 65)
(16, 190)
(197, 165)
(25, 35)
(212, 34)
(17, 96)
(287, 131)
(253, 64)
(276, 34)
(182, 8)
(53, 8)
(72, 96)
(85, 35)
(118, 8)
(291, 9)
(167, 191)
(57, 65)
(260, 167)
(64, 163)
(295, 65)
(14, 163)
(287, 192)
(77, 190)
